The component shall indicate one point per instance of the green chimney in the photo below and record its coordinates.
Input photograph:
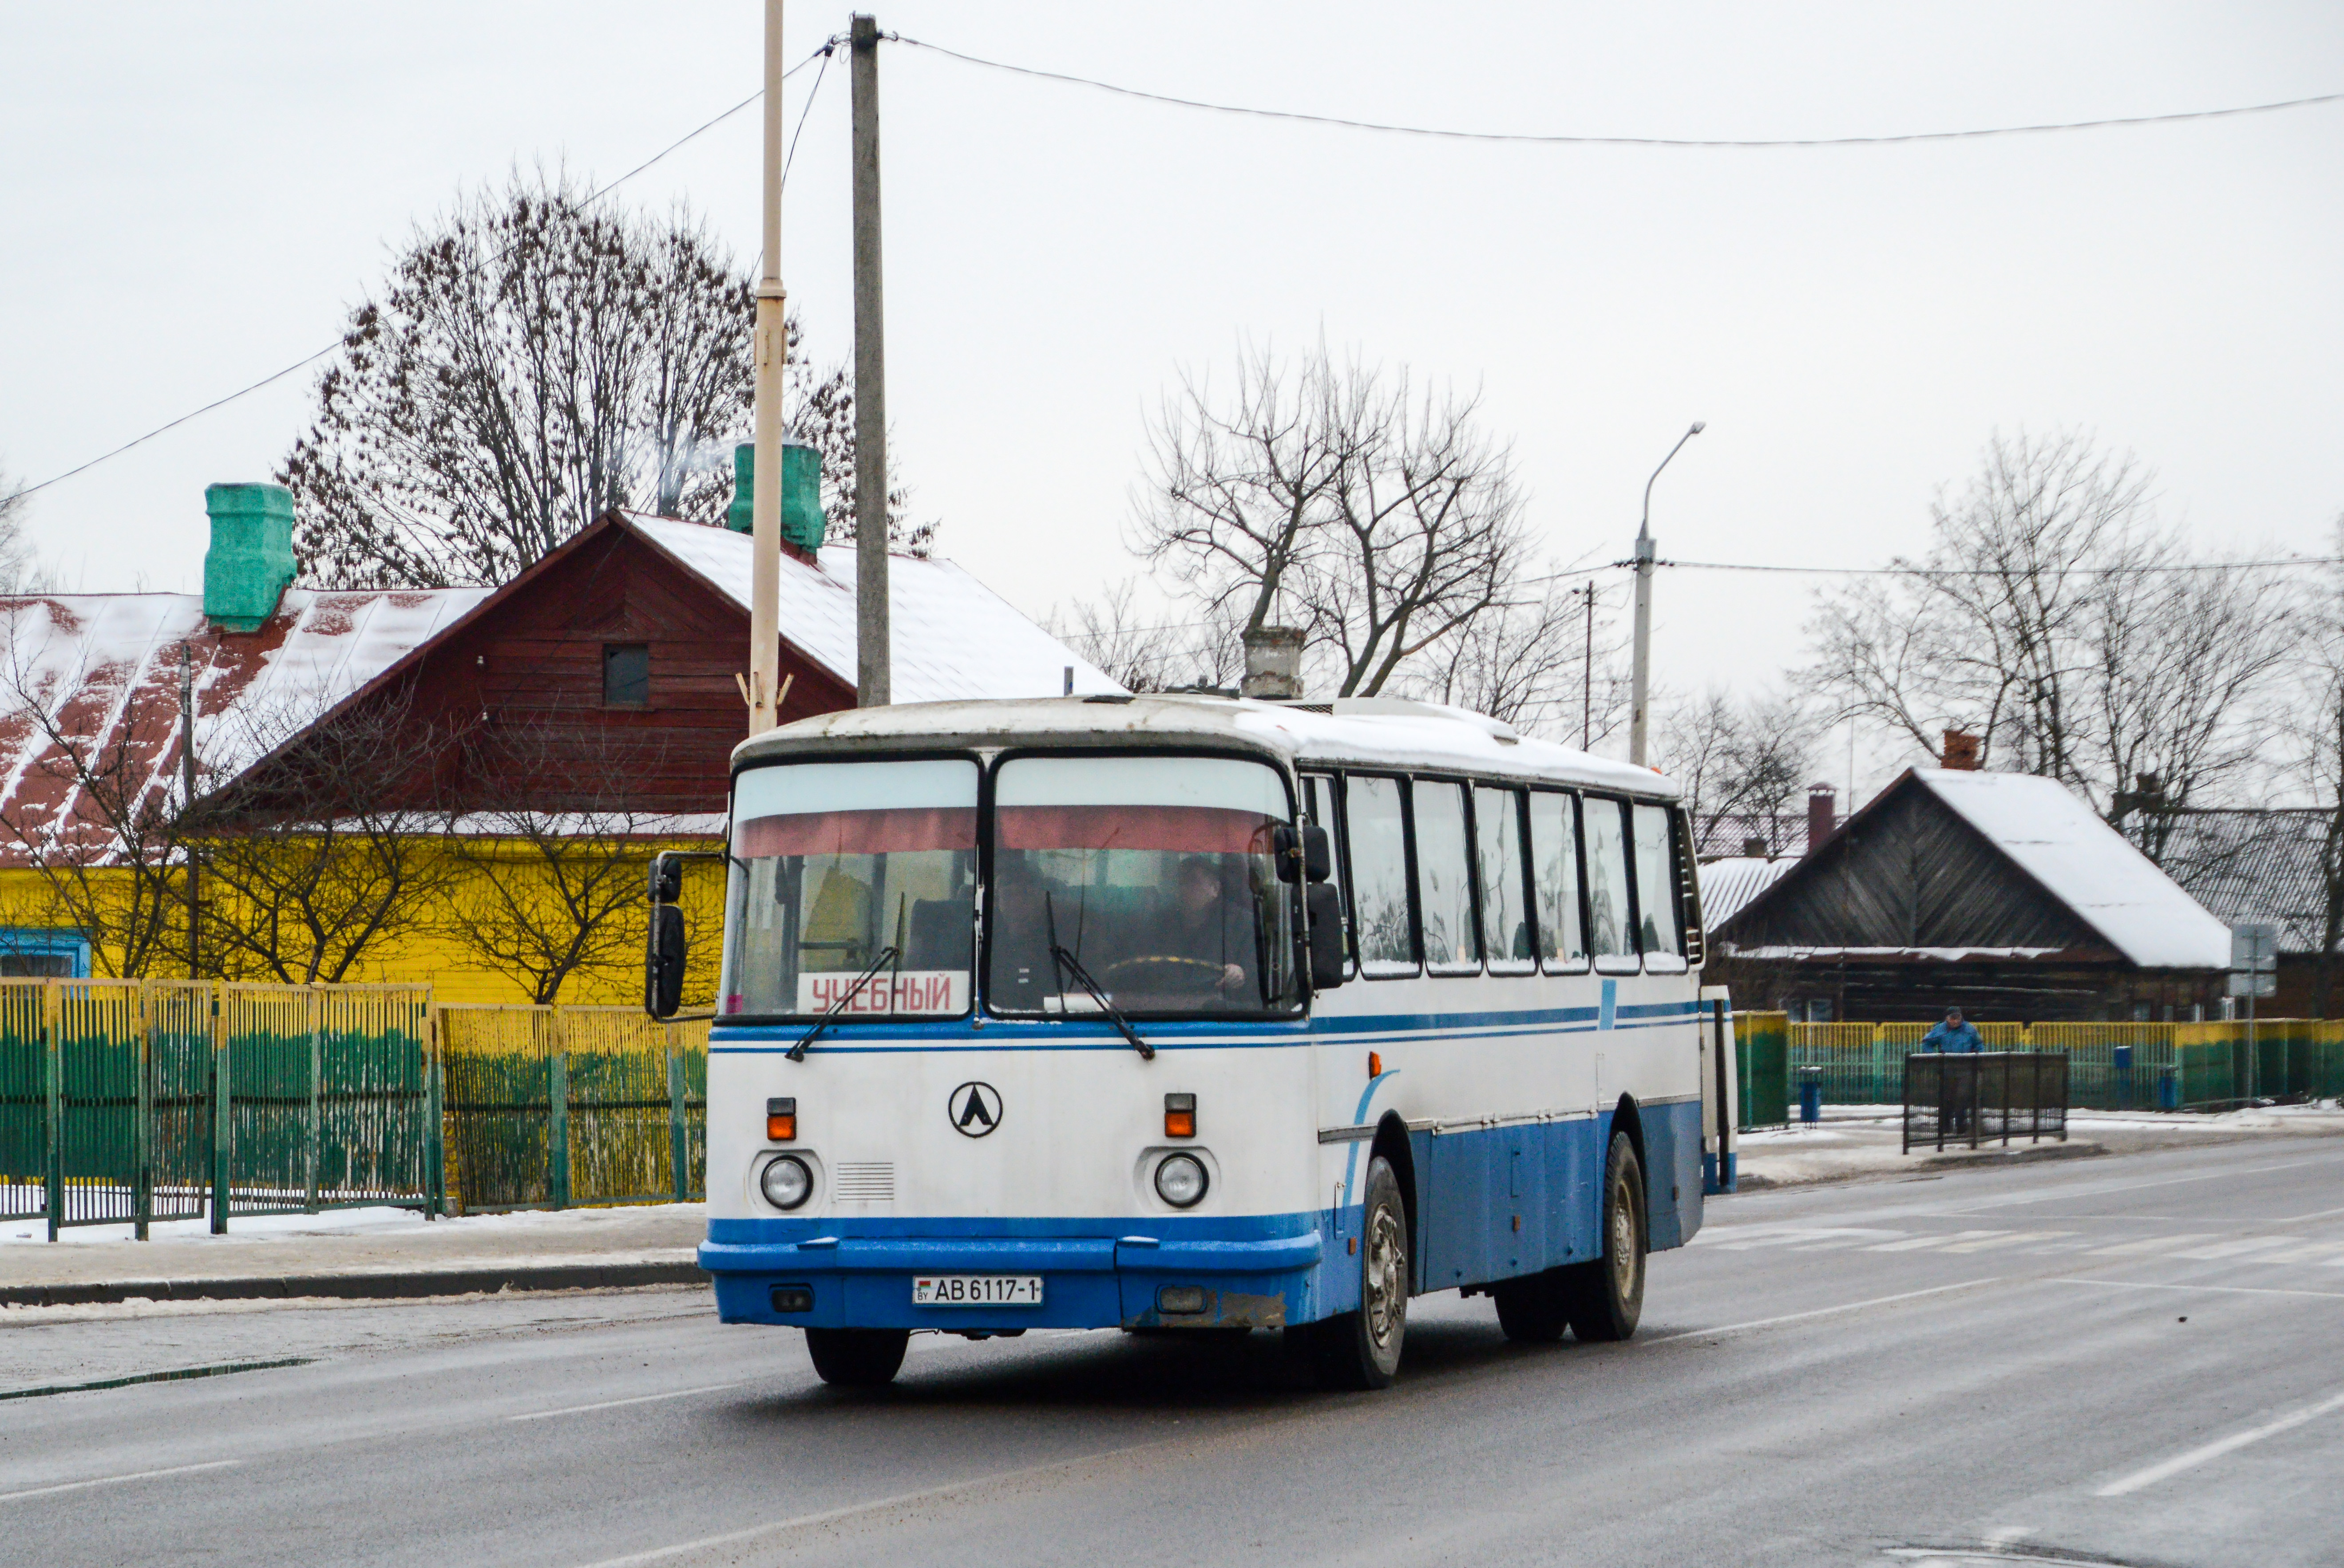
(250, 562)
(802, 522)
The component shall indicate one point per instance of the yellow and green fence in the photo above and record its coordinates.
(2112, 1066)
(129, 1102)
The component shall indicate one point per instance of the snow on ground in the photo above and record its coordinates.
(370, 1223)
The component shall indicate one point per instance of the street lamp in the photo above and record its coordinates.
(1638, 702)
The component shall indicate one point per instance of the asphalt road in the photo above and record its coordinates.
(2136, 1360)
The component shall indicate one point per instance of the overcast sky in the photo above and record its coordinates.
(193, 197)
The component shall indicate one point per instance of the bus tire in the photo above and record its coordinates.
(857, 1358)
(1605, 1296)
(1360, 1349)
(1533, 1310)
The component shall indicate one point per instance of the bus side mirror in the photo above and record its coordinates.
(663, 963)
(667, 877)
(1317, 854)
(1325, 907)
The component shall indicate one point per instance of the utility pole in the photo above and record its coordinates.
(1587, 679)
(874, 649)
(772, 354)
(187, 798)
(1639, 696)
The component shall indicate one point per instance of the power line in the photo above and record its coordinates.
(1520, 136)
(822, 54)
(1917, 571)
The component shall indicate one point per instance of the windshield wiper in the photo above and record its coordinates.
(797, 1051)
(1115, 1014)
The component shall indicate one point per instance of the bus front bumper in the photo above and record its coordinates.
(1087, 1282)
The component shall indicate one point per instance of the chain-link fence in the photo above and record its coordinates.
(128, 1102)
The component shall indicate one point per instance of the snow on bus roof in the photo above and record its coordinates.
(1367, 733)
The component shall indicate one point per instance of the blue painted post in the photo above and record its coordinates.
(53, 1117)
(557, 1095)
(2124, 1077)
(222, 1126)
(1811, 1095)
(678, 1143)
(2169, 1090)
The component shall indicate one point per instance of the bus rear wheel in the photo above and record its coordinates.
(1535, 1309)
(857, 1358)
(1605, 1296)
(1360, 1349)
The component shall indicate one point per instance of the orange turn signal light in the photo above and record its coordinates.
(1375, 1064)
(1179, 1116)
(780, 1121)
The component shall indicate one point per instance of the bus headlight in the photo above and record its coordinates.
(1180, 1180)
(787, 1183)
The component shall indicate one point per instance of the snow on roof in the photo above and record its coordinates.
(1728, 884)
(105, 669)
(2060, 842)
(1366, 732)
(954, 637)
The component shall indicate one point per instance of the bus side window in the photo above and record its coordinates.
(1554, 857)
(1318, 810)
(1610, 931)
(1660, 923)
(1505, 919)
(1378, 824)
(1443, 885)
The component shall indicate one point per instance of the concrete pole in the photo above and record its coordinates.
(772, 356)
(872, 644)
(1640, 693)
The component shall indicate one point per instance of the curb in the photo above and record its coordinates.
(373, 1287)
(1933, 1165)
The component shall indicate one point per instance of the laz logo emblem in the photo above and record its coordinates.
(975, 1108)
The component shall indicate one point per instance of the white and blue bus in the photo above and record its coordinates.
(1189, 1013)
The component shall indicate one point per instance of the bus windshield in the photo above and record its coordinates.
(1149, 876)
(844, 869)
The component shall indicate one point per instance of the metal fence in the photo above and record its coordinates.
(1984, 1097)
(128, 1102)
(2112, 1066)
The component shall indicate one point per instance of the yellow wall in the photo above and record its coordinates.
(434, 953)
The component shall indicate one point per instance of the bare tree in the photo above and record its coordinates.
(1381, 522)
(1144, 650)
(97, 815)
(317, 858)
(2056, 620)
(1537, 665)
(20, 569)
(534, 362)
(555, 896)
(1741, 762)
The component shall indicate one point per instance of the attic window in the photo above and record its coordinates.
(626, 675)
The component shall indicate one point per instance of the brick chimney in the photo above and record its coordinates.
(1961, 752)
(1273, 663)
(250, 562)
(1822, 814)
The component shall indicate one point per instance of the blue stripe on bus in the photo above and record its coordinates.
(865, 1039)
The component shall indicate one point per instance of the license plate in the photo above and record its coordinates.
(977, 1290)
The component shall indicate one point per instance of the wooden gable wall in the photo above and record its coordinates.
(1908, 874)
(519, 689)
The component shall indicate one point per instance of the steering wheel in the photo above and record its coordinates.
(1164, 971)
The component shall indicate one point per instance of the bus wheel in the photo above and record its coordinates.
(1533, 1310)
(1360, 1349)
(1603, 1298)
(857, 1358)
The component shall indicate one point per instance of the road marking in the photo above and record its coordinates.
(1823, 1311)
(2154, 1244)
(2300, 1219)
(110, 1480)
(615, 1403)
(1919, 1243)
(2223, 1290)
(832, 1515)
(2237, 1249)
(2012, 1240)
(2198, 1456)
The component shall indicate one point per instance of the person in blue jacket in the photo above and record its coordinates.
(1954, 1034)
